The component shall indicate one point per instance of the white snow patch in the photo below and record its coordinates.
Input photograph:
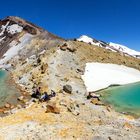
(3, 28)
(111, 49)
(14, 48)
(98, 76)
(112, 46)
(124, 49)
(15, 28)
(12, 29)
(87, 39)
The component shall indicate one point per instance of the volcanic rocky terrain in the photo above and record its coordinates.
(34, 57)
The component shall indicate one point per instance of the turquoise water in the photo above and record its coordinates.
(8, 92)
(123, 98)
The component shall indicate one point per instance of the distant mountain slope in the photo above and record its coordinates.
(111, 46)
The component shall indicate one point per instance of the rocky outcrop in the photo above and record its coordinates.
(67, 88)
(67, 46)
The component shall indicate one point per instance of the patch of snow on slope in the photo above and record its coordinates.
(87, 39)
(111, 46)
(124, 49)
(98, 76)
(15, 28)
(3, 28)
(14, 48)
(111, 49)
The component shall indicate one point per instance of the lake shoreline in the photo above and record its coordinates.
(109, 92)
(9, 81)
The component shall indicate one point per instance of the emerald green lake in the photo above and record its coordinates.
(123, 98)
(8, 92)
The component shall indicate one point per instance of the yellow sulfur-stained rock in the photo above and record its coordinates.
(127, 125)
(95, 101)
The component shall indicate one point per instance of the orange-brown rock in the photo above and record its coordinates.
(2, 110)
(52, 109)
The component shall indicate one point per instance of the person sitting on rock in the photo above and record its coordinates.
(92, 95)
(37, 93)
(45, 97)
(53, 94)
(89, 96)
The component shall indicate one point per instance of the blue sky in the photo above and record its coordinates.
(109, 20)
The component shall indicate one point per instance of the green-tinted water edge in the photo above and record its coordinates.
(8, 91)
(123, 98)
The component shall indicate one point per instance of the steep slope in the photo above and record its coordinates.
(110, 46)
(15, 33)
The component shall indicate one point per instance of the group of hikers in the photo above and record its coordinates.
(45, 97)
(42, 97)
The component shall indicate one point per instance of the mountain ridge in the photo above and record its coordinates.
(110, 46)
(14, 31)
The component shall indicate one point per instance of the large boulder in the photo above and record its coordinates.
(64, 47)
(67, 88)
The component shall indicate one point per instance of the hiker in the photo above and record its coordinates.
(53, 94)
(37, 93)
(93, 95)
(45, 97)
(89, 96)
